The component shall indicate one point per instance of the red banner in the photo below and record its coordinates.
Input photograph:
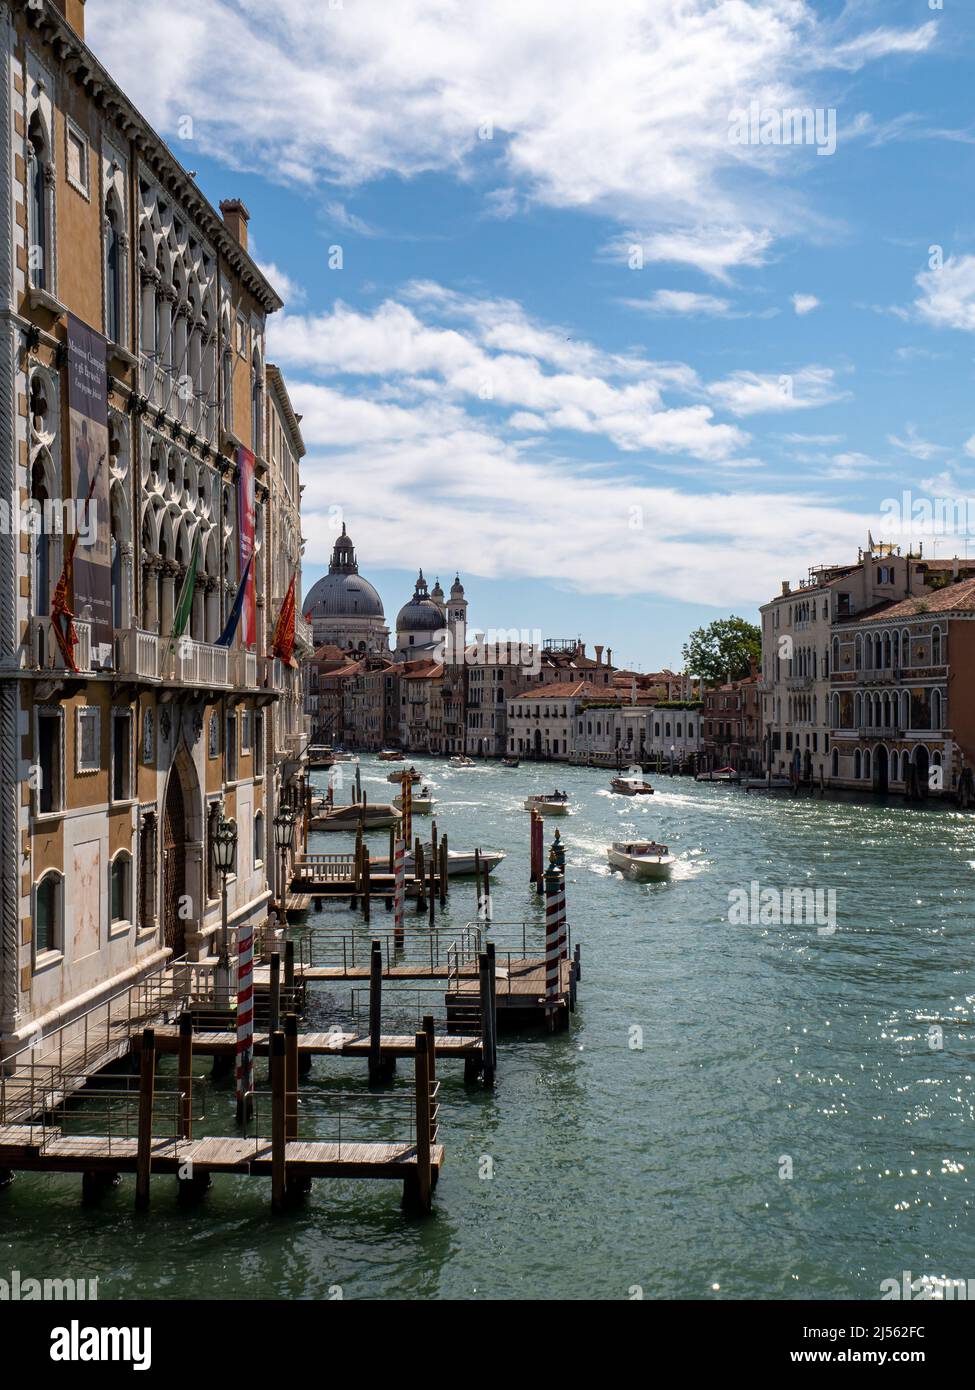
(283, 641)
(245, 525)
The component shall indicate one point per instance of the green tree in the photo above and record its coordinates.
(725, 647)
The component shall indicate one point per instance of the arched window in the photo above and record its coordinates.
(227, 385)
(48, 914)
(835, 765)
(113, 276)
(866, 766)
(259, 839)
(935, 709)
(37, 220)
(42, 542)
(121, 888)
(257, 407)
(936, 646)
(857, 765)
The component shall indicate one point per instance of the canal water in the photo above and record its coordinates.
(741, 1109)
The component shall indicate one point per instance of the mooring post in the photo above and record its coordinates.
(375, 1011)
(484, 999)
(274, 995)
(493, 982)
(399, 893)
(553, 880)
(444, 861)
(578, 956)
(532, 856)
(147, 1081)
(289, 972)
(433, 886)
(185, 1069)
(477, 883)
(486, 868)
(278, 1130)
(431, 1047)
(423, 1185)
(366, 893)
(291, 1076)
(421, 901)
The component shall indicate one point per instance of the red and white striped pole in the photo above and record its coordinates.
(399, 891)
(406, 820)
(553, 880)
(245, 1020)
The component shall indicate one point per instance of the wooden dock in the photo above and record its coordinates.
(331, 1044)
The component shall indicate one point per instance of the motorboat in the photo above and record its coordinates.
(510, 762)
(422, 801)
(767, 784)
(412, 774)
(549, 804)
(642, 859)
(631, 786)
(370, 815)
(341, 757)
(460, 862)
(319, 758)
(462, 761)
(390, 755)
(721, 774)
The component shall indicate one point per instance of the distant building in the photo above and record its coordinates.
(343, 608)
(732, 726)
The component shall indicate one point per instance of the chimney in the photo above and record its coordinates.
(74, 13)
(786, 586)
(236, 218)
(599, 655)
(609, 656)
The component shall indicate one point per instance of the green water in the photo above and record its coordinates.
(614, 1165)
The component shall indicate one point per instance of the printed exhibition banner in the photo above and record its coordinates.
(245, 527)
(88, 434)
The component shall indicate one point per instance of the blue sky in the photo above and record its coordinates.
(622, 370)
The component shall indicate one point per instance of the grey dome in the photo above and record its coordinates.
(343, 596)
(422, 613)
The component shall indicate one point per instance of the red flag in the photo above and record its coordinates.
(67, 636)
(283, 641)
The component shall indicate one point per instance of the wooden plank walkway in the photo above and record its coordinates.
(214, 1043)
(21, 1148)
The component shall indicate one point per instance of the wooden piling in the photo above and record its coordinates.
(366, 897)
(421, 901)
(289, 972)
(487, 1015)
(486, 869)
(433, 886)
(445, 860)
(185, 1072)
(477, 881)
(274, 993)
(493, 982)
(291, 1076)
(278, 1130)
(375, 1011)
(423, 1183)
(431, 1046)
(147, 1081)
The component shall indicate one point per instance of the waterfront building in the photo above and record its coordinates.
(902, 717)
(542, 720)
(421, 706)
(135, 398)
(371, 704)
(675, 731)
(731, 720)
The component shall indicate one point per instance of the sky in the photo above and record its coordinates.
(573, 305)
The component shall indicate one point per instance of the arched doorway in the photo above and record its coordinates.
(881, 771)
(922, 764)
(538, 743)
(174, 867)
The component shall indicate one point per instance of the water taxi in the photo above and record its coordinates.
(462, 761)
(549, 804)
(422, 802)
(371, 816)
(509, 762)
(390, 755)
(641, 859)
(460, 862)
(412, 774)
(720, 774)
(631, 786)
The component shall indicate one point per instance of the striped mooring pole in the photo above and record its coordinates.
(406, 821)
(245, 1021)
(553, 892)
(399, 893)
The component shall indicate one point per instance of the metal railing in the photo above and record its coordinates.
(439, 950)
(327, 1117)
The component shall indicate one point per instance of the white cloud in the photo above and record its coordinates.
(970, 446)
(947, 297)
(748, 393)
(682, 302)
(289, 290)
(804, 303)
(714, 250)
(914, 445)
(621, 109)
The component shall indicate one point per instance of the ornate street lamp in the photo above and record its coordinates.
(284, 835)
(225, 858)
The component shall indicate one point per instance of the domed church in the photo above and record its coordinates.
(343, 608)
(421, 623)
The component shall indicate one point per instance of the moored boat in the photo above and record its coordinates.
(631, 786)
(549, 804)
(720, 774)
(642, 859)
(411, 773)
(460, 862)
(371, 816)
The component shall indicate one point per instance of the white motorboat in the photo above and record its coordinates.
(397, 777)
(551, 804)
(460, 862)
(422, 802)
(721, 774)
(462, 761)
(641, 859)
(372, 816)
(631, 786)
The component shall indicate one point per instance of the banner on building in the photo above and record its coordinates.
(88, 435)
(245, 527)
(283, 641)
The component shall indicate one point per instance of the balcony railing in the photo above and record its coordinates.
(45, 652)
(137, 654)
(196, 663)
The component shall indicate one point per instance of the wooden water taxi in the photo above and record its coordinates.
(641, 859)
(390, 755)
(510, 762)
(631, 786)
(549, 804)
(461, 761)
(422, 802)
(412, 774)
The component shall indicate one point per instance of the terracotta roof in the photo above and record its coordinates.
(560, 690)
(954, 598)
(427, 670)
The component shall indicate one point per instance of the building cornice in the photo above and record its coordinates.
(78, 62)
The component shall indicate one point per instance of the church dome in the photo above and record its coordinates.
(422, 613)
(343, 593)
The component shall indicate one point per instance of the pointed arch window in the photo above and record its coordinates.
(113, 276)
(37, 211)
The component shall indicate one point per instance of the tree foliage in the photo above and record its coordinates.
(723, 649)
